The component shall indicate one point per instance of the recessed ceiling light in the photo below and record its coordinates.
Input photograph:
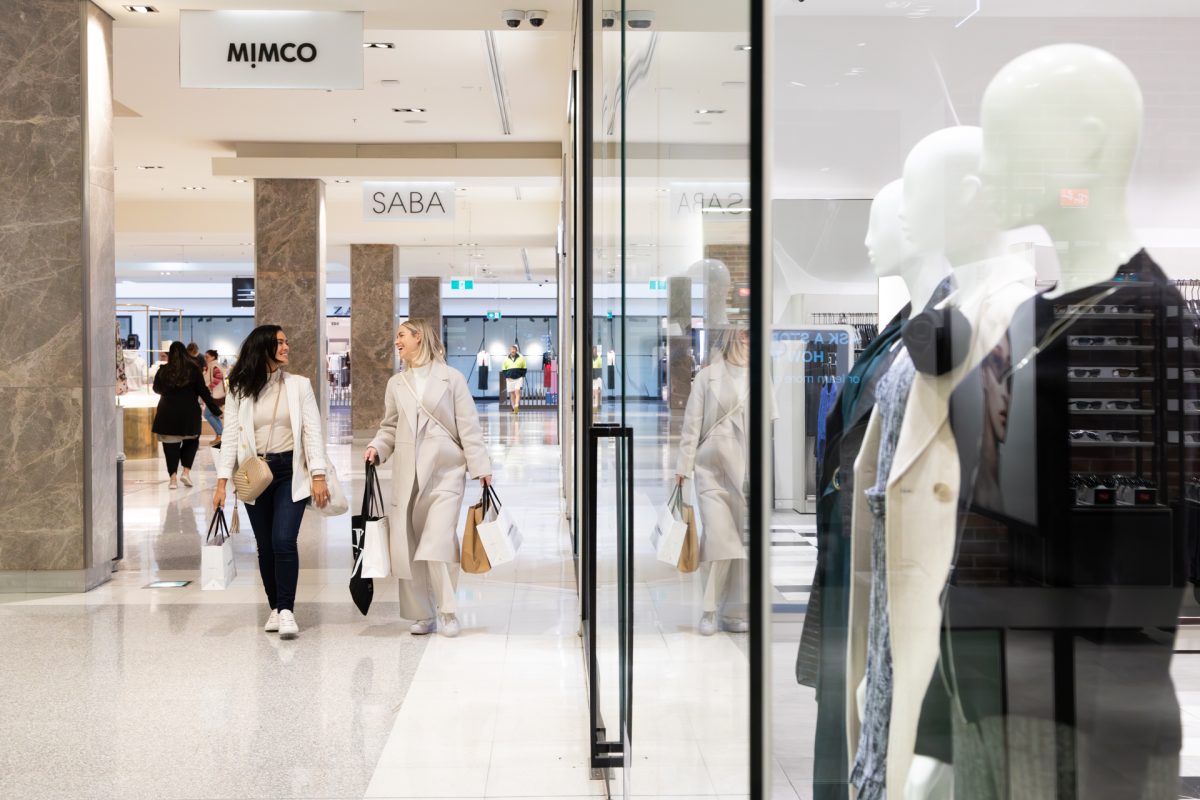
(390, 81)
(416, 122)
(193, 188)
(379, 45)
(140, 9)
(409, 110)
(798, 83)
(148, 166)
(742, 48)
(468, 244)
(339, 180)
(241, 180)
(460, 188)
(710, 111)
(862, 44)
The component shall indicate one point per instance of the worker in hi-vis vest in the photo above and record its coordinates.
(513, 371)
(597, 376)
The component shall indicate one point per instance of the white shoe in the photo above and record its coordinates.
(422, 627)
(272, 625)
(708, 623)
(187, 480)
(449, 626)
(734, 625)
(173, 485)
(288, 629)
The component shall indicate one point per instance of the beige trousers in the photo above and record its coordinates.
(431, 590)
(725, 588)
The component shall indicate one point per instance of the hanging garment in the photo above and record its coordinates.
(829, 392)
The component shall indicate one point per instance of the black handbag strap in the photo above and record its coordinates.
(218, 527)
(490, 495)
(372, 493)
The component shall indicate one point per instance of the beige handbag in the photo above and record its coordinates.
(253, 477)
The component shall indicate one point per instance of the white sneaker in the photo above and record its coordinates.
(449, 626)
(422, 627)
(708, 623)
(272, 625)
(186, 479)
(734, 625)
(288, 629)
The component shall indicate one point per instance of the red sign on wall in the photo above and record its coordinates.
(1073, 198)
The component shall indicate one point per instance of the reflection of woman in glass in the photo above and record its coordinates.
(996, 371)
(713, 449)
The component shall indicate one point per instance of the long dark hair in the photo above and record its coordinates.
(179, 371)
(249, 375)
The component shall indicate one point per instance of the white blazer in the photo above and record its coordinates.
(922, 509)
(309, 452)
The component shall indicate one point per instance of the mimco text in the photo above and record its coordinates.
(254, 52)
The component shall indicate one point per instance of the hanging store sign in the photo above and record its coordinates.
(244, 293)
(271, 49)
(722, 200)
(412, 202)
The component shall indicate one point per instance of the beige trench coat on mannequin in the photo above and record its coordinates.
(922, 509)
(430, 471)
(713, 452)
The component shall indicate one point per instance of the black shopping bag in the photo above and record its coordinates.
(362, 590)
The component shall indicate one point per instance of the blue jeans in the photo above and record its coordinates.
(213, 420)
(276, 518)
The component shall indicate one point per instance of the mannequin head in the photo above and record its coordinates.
(1061, 129)
(887, 248)
(943, 203)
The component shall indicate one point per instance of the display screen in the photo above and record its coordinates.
(243, 292)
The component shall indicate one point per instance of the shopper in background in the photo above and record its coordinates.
(275, 415)
(180, 386)
(193, 351)
(597, 377)
(513, 370)
(714, 450)
(214, 378)
(431, 425)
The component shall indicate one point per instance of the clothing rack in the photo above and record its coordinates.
(865, 324)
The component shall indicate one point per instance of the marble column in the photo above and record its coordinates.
(679, 341)
(373, 277)
(289, 271)
(58, 445)
(425, 300)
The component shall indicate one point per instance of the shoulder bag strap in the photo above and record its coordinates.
(442, 425)
(737, 409)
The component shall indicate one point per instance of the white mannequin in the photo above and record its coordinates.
(893, 255)
(1065, 118)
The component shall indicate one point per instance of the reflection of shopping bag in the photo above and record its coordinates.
(474, 556)
(373, 522)
(674, 538)
(217, 567)
(500, 536)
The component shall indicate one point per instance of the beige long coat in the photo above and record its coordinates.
(430, 470)
(922, 508)
(713, 451)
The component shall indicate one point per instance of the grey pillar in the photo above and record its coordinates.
(289, 271)
(679, 341)
(58, 493)
(425, 300)
(373, 277)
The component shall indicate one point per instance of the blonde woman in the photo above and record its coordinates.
(431, 426)
(713, 452)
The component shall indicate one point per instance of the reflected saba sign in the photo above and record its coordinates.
(271, 49)
(412, 202)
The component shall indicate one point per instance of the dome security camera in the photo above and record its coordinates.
(608, 19)
(513, 17)
(639, 20)
(536, 17)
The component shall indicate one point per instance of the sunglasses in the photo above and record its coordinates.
(1092, 435)
(1125, 372)
(1122, 436)
(1086, 405)
(1192, 436)
(1080, 372)
(1087, 340)
(1123, 404)
(1192, 372)
(1096, 309)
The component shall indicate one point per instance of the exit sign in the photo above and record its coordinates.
(658, 285)
(494, 315)
(462, 283)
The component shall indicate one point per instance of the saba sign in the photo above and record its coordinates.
(271, 49)
(408, 202)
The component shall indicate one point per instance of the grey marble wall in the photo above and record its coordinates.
(58, 446)
(289, 271)
(373, 277)
(425, 300)
(679, 341)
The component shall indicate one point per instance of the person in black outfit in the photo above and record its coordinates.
(180, 386)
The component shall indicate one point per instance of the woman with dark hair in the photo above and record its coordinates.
(273, 415)
(180, 386)
(214, 378)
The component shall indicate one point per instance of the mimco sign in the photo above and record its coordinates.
(271, 49)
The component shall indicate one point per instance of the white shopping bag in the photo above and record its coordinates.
(377, 559)
(499, 534)
(217, 567)
(671, 530)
